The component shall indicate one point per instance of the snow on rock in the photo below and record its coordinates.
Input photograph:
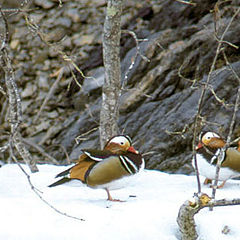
(149, 211)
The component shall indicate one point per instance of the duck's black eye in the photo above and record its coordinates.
(122, 143)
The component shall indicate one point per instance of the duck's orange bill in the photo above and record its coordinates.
(132, 149)
(200, 145)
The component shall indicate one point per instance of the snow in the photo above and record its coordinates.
(149, 211)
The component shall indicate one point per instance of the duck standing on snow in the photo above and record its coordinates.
(109, 169)
(208, 150)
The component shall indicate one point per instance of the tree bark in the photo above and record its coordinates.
(188, 210)
(112, 84)
(186, 221)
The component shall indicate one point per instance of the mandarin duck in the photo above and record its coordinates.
(208, 150)
(109, 169)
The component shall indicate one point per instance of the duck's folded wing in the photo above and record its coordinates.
(114, 167)
(232, 159)
(87, 161)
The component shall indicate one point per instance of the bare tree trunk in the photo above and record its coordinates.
(111, 88)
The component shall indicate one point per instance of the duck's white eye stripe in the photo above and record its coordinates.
(210, 135)
(120, 140)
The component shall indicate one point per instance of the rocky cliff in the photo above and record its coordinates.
(161, 92)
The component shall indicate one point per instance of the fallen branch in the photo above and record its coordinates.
(188, 210)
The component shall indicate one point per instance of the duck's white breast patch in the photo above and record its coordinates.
(209, 171)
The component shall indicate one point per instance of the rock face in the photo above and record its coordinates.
(161, 92)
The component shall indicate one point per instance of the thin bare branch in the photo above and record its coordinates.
(2, 91)
(181, 133)
(25, 154)
(187, 2)
(235, 141)
(36, 191)
(4, 32)
(138, 52)
(82, 136)
(63, 149)
(40, 150)
(49, 95)
(4, 148)
(55, 46)
(230, 66)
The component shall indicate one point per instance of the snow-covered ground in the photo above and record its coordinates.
(148, 213)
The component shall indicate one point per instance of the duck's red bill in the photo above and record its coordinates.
(132, 149)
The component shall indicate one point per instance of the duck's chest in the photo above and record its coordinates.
(207, 168)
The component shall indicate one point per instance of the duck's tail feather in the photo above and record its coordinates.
(59, 182)
(64, 173)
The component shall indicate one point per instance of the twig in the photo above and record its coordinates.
(36, 191)
(63, 149)
(34, 145)
(75, 79)
(234, 141)
(186, 79)
(4, 148)
(224, 202)
(60, 3)
(46, 40)
(204, 121)
(3, 111)
(81, 137)
(50, 93)
(25, 154)
(44, 37)
(187, 2)
(231, 68)
(2, 91)
(179, 132)
(226, 42)
(5, 34)
(138, 52)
